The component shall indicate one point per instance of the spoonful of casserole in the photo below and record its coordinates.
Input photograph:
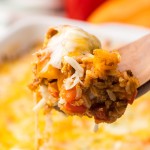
(72, 73)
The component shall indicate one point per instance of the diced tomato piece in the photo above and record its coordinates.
(69, 95)
(54, 94)
(53, 89)
(75, 109)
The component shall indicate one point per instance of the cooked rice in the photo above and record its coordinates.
(88, 81)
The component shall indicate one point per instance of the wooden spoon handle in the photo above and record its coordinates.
(136, 57)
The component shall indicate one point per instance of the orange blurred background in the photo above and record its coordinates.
(136, 12)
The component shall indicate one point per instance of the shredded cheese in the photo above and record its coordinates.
(46, 97)
(39, 105)
(61, 101)
(75, 78)
(79, 70)
(68, 39)
(95, 127)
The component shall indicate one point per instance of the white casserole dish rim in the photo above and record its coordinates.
(27, 31)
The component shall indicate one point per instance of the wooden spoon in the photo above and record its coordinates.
(136, 57)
